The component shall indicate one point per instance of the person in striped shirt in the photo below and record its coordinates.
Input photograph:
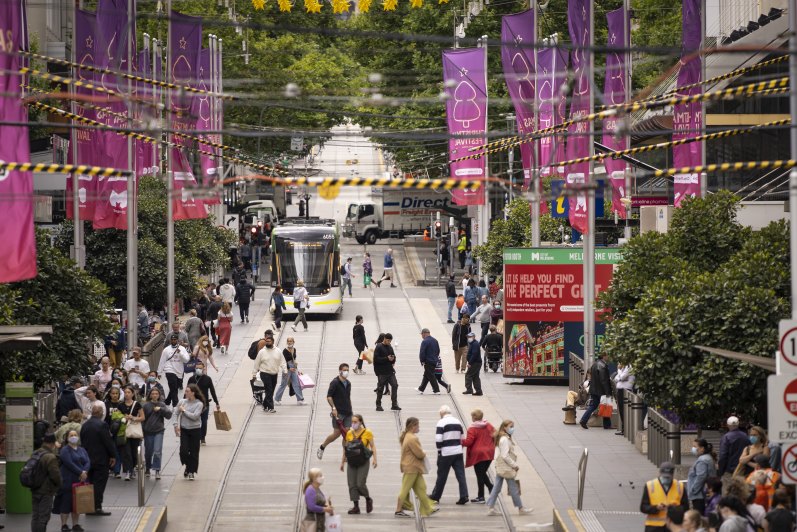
(448, 438)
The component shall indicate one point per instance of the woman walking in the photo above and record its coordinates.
(134, 417)
(481, 450)
(316, 503)
(699, 473)
(189, 428)
(224, 328)
(291, 375)
(413, 469)
(368, 272)
(360, 343)
(359, 444)
(506, 469)
(301, 300)
(155, 412)
(114, 418)
(278, 300)
(204, 352)
(75, 467)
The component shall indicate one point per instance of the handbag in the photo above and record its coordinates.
(190, 366)
(305, 381)
(605, 408)
(134, 430)
(215, 323)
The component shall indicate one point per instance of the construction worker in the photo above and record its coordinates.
(661, 493)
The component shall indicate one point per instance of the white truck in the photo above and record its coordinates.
(400, 212)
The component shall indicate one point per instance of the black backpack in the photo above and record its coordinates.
(33, 473)
(343, 269)
(355, 453)
(253, 350)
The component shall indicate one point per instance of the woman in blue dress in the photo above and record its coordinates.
(75, 465)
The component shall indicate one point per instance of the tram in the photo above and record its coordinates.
(308, 249)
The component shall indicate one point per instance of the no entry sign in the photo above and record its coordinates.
(782, 406)
(789, 464)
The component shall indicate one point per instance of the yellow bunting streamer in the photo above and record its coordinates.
(46, 168)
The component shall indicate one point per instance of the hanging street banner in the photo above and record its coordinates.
(552, 66)
(18, 260)
(465, 81)
(614, 93)
(202, 111)
(579, 13)
(687, 119)
(544, 307)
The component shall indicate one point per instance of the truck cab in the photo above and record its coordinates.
(363, 222)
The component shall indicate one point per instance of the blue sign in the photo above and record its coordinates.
(560, 207)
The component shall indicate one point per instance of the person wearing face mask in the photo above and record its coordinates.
(205, 384)
(155, 412)
(339, 399)
(497, 314)
(204, 352)
(172, 364)
(659, 494)
(759, 445)
(699, 473)
(75, 465)
(292, 376)
(137, 369)
(269, 363)
(506, 469)
(358, 445)
(152, 382)
(318, 506)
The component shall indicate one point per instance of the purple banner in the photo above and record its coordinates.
(186, 35)
(578, 142)
(466, 114)
(145, 151)
(18, 260)
(202, 112)
(614, 92)
(552, 66)
(688, 118)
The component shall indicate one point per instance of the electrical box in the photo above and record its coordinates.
(655, 218)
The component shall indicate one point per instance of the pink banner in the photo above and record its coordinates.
(578, 142)
(202, 111)
(18, 260)
(687, 119)
(145, 151)
(614, 92)
(466, 113)
(552, 74)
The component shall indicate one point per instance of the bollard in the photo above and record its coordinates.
(582, 474)
(140, 478)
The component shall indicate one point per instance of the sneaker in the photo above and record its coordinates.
(247, 319)
(450, 321)
(76, 528)
(448, 388)
(420, 392)
(402, 513)
(185, 474)
(293, 327)
(435, 393)
(467, 392)
(300, 403)
(435, 510)
(272, 411)
(117, 475)
(478, 500)
(242, 321)
(190, 476)
(278, 403)
(132, 475)
(493, 511)
(157, 475)
(223, 349)
(463, 500)
(379, 408)
(202, 442)
(65, 528)
(320, 453)
(525, 511)
(147, 473)
(478, 393)
(395, 407)
(127, 478)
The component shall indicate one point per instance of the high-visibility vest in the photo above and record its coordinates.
(657, 496)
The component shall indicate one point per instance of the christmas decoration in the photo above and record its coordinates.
(312, 6)
(340, 6)
(389, 5)
(416, 3)
(365, 5)
(284, 5)
(259, 4)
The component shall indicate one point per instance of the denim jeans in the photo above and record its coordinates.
(451, 301)
(344, 282)
(513, 491)
(153, 449)
(594, 403)
(293, 378)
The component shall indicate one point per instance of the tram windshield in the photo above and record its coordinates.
(309, 261)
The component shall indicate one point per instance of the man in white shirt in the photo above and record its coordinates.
(172, 364)
(227, 293)
(137, 368)
(448, 438)
(269, 363)
(482, 316)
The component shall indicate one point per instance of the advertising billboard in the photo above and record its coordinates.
(544, 307)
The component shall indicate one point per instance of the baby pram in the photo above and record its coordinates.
(258, 390)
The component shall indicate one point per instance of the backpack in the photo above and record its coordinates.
(343, 269)
(253, 350)
(33, 473)
(356, 453)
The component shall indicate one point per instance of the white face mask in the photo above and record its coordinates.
(344, 374)
(73, 440)
(355, 426)
(320, 480)
(205, 344)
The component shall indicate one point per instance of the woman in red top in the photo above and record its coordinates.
(481, 451)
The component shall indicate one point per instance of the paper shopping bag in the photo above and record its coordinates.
(83, 498)
(605, 408)
(305, 381)
(222, 420)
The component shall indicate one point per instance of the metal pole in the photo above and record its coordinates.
(535, 173)
(169, 178)
(793, 153)
(627, 86)
(78, 253)
(484, 211)
(703, 176)
(132, 240)
(140, 477)
(589, 238)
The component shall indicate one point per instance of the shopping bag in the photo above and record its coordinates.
(333, 523)
(83, 498)
(134, 430)
(605, 408)
(305, 381)
(222, 420)
(368, 356)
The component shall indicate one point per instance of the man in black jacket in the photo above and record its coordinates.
(459, 342)
(42, 495)
(384, 357)
(429, 355)
(244, 292)
(205, 384)
(213, 314)
(67, 400)
(96, 439)
(451, 295)
(600, 386)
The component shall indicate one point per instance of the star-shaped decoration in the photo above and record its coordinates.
(416, 3)
(89, 42)
(364, 5)
(183, 43)
(259, 4)
(340, 6)
(463, 72)
(312, 6)
(389, 5)
(441, 2)
(284, 5)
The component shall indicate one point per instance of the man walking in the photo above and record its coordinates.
(448, 438)
(269, 363)
(213, 315)
(482, 316)
(429, 355)
(243, 295)
(227, 292)
(49, 473)
(384, 357)
(472, 379)
(137, 369)
(459, 342)
(182, 336)
(599, 386)
(172, 364)
(451, 295)
(388, 272)
(339, 399)
(346, 277)
(731, 446)
(96, 439)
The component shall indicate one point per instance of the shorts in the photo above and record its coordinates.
(346, 421)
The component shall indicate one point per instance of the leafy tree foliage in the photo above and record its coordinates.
(72, 301)
(708, 281)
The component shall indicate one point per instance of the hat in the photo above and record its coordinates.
(733, 421)
(761, 460)
(49, 438)
(472, 334)
(174, 336)
(424, 331)
(667, 467)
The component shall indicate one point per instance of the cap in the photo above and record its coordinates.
(424, 331)
(49, 438)
(473, 334)
(667, 467)
(174, 336)
(761, 460)
(733, 420)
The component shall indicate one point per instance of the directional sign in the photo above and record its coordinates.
(789, 464)
(297, 143)
(231, 222)
(782, 407)
(787, 354)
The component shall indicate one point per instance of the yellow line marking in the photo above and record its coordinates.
(142, 523)
(576, 520)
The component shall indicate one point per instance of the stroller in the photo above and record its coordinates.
(494, 355)
(258, 390)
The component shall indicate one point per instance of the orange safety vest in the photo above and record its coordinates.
(657, 496)
(764, 492)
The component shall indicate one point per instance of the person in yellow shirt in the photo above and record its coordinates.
(357, 451)
(659, 494)
(462, 246)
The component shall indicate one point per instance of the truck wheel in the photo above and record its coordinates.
(360, 239)
(370, 237)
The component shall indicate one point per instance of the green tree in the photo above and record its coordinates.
(73, 302)
(677, 290)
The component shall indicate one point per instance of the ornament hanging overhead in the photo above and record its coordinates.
(389, 5)
(340, 6)
(364, 5)
(312, 6)
(416, 3)
(259, 4)
(284, 5)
